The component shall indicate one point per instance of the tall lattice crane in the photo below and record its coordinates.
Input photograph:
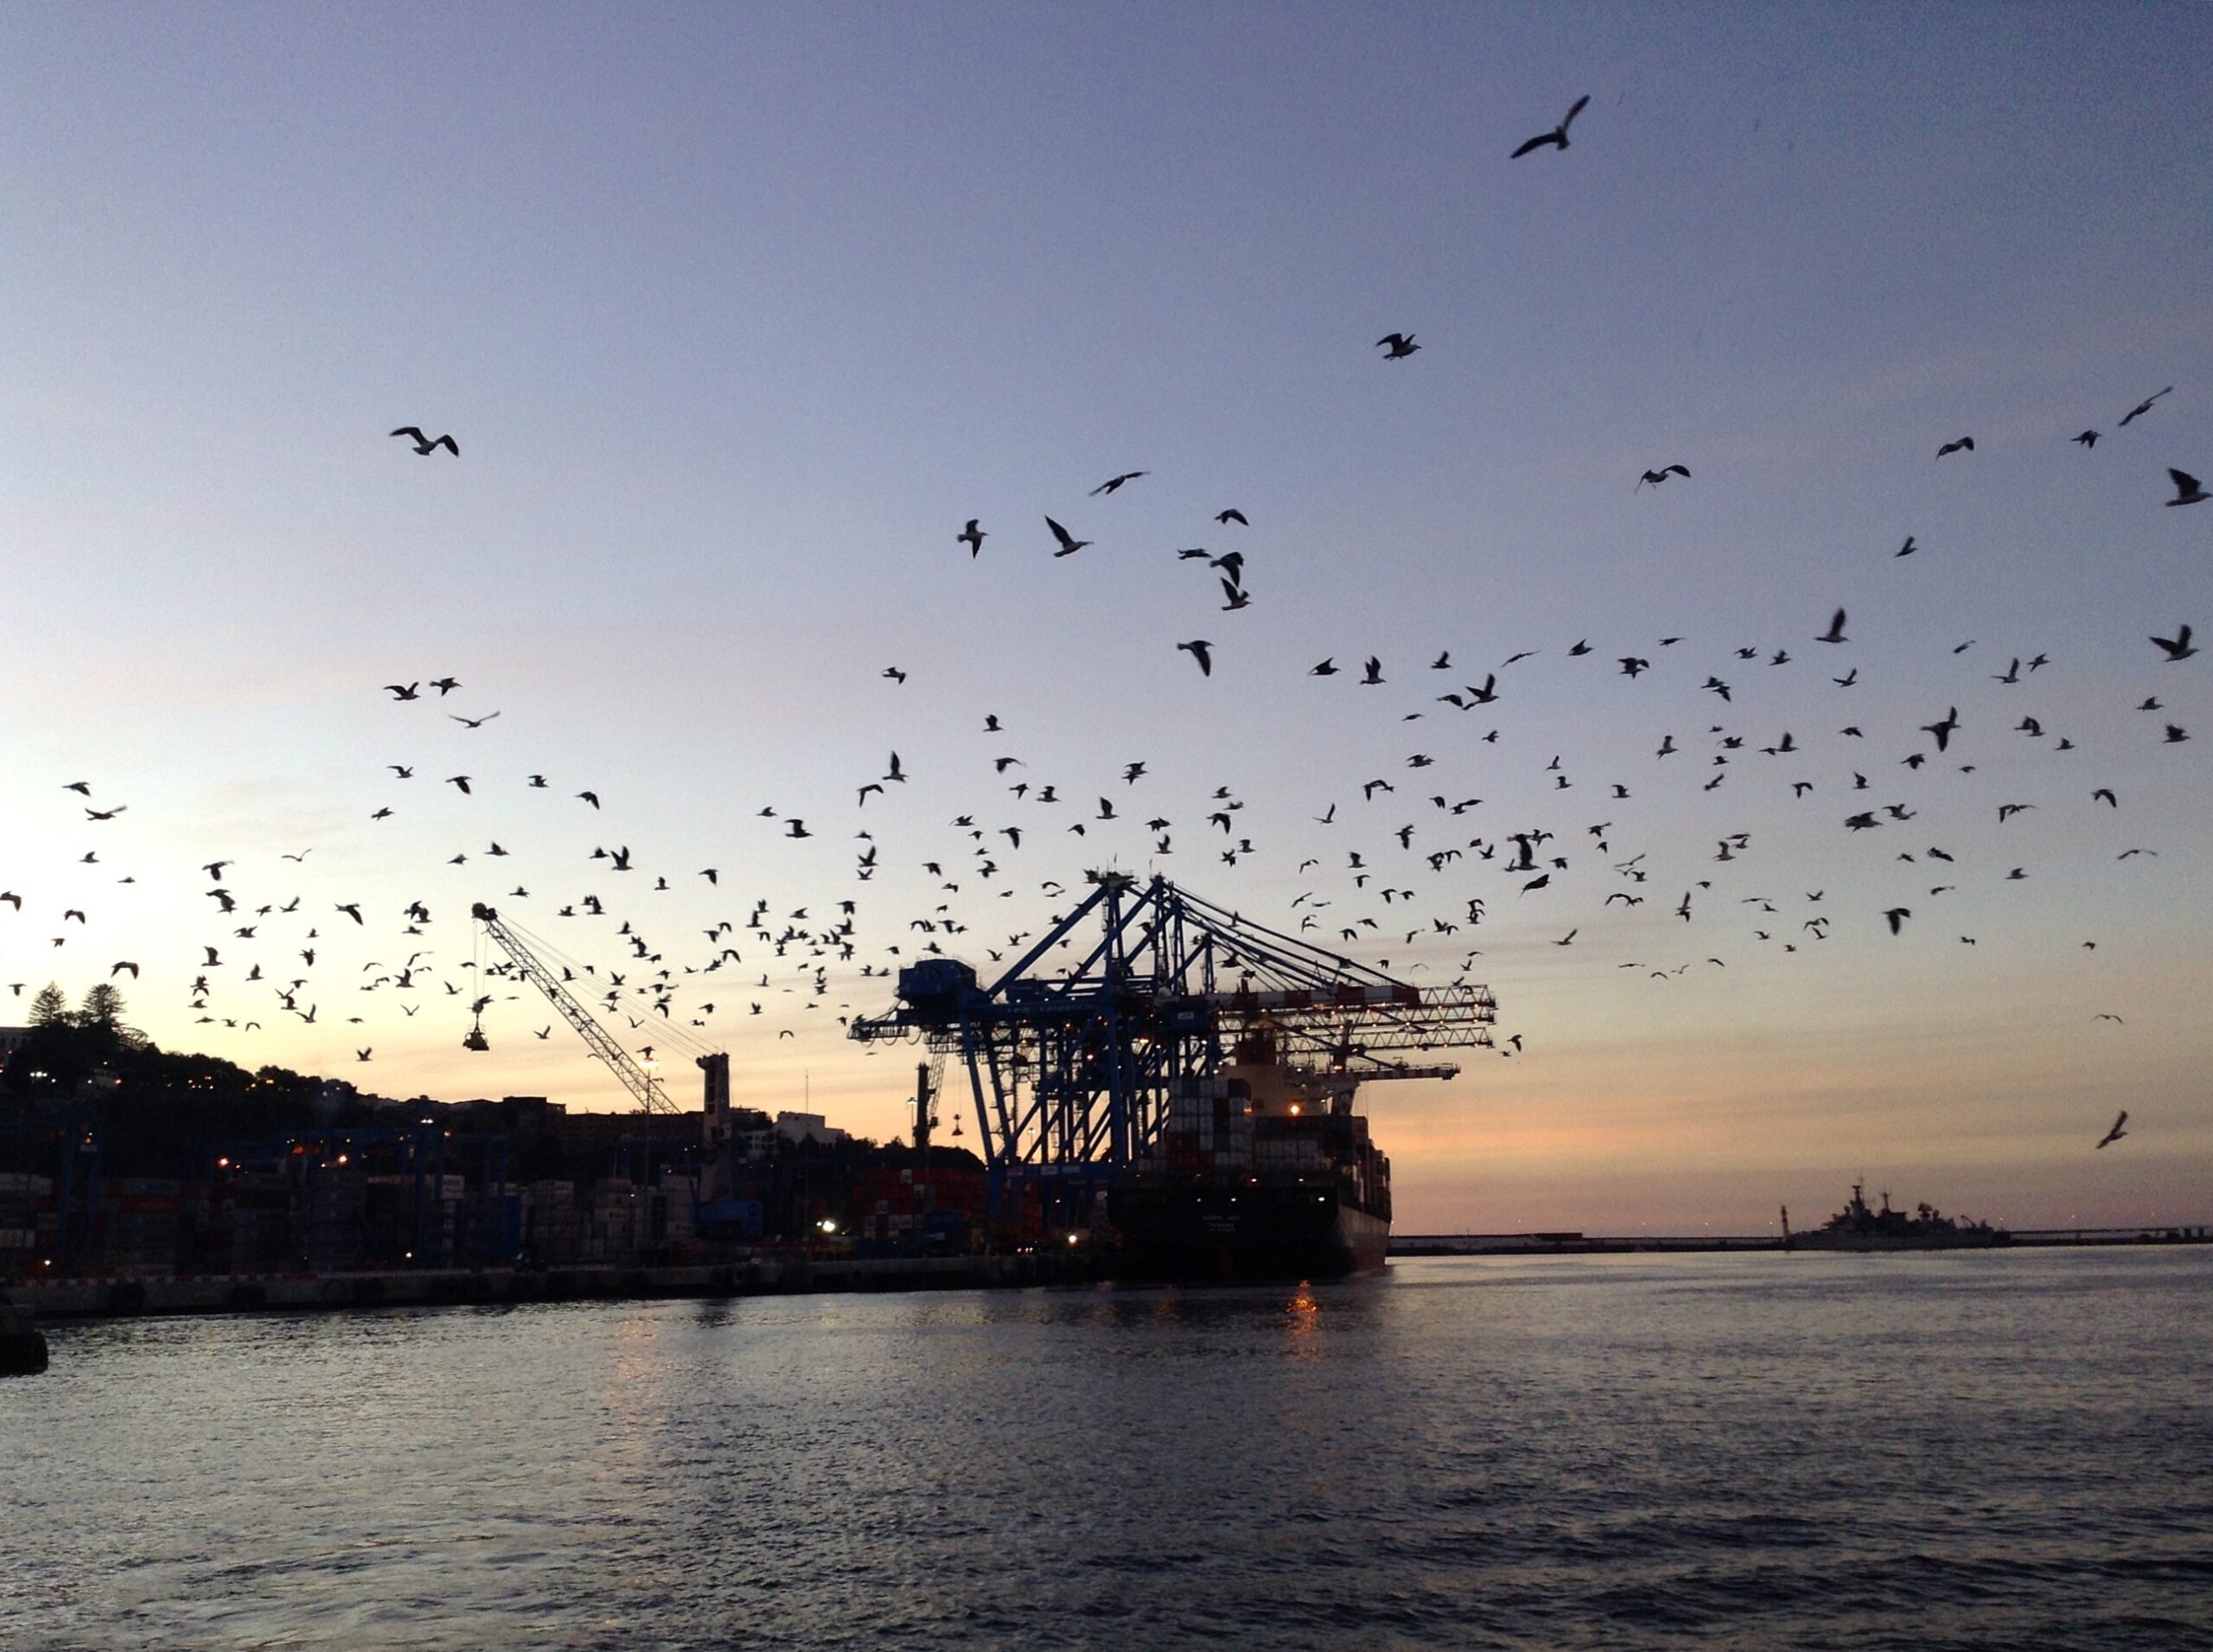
(635, 1078)
(1070, 1075)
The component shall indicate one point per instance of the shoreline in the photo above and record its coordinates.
(131, 1298)
(50, 1300)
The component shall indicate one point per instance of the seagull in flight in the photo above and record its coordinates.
(1656, 477)
(1069, 543)
(2187, 492)
(473, 722)
(1402, 345)
(424, 445)
(1202, 651)
(1965, 445)
(2116, 1133)
(1942, 728)
(1114, 482)
(1557, 137)
(972, 537)
(2144, 406)
(2177, 646)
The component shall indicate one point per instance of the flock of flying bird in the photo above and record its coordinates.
(1406, 872)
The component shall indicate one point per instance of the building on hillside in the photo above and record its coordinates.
(800, 1128)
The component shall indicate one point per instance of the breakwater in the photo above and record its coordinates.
(1567, 1244)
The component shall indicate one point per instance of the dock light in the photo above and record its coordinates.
(827, 1226)
(1295, 1109)
(1071, 1239)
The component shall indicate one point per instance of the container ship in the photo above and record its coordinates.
(1261, 1171)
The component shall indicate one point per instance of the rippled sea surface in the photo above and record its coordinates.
(1999, 1450)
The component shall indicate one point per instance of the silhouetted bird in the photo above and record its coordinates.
(2144, 406)
(424, 445)
(1557, 137)
(2177, 646)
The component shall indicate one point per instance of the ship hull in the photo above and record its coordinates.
(1247, 1231)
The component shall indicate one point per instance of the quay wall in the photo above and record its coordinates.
(53, 1299)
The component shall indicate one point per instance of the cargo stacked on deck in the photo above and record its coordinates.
(1262, 1171)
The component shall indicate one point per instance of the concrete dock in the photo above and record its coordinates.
(287, 1292)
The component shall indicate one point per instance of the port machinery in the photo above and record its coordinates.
(638, 1077)
(1070, 1075)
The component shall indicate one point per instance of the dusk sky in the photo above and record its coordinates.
(738, 314)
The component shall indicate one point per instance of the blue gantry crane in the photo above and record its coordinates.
(1070, 1074)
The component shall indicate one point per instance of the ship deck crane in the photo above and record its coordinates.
(1069, 1075)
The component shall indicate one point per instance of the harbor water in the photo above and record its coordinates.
(1981, 1450)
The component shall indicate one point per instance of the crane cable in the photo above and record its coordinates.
(684, 1039)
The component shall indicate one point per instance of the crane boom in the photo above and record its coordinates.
(617, 1059)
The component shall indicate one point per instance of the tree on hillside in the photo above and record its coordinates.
(103, 1007)
(100, 1017)
(49, 1008)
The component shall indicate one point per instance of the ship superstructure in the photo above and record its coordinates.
(1263, 1171)
(1859, 1227)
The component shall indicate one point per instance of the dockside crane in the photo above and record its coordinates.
(1070, 1075)
(635, 1078)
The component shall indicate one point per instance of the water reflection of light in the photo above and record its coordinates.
(1303, 1317)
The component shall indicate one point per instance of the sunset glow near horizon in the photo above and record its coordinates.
(737, 316)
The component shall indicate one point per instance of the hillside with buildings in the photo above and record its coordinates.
(119, 1158)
